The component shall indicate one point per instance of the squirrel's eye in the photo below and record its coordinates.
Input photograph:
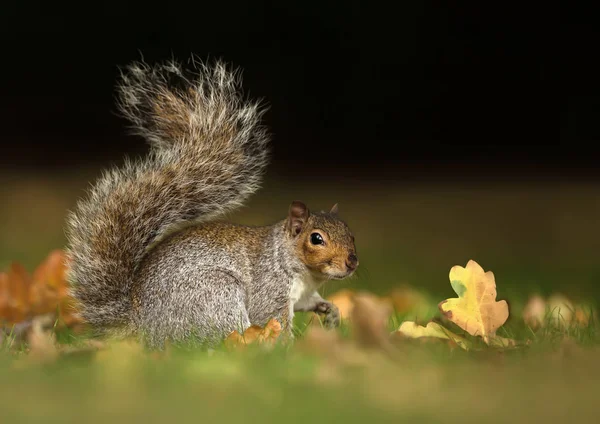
(316, 238)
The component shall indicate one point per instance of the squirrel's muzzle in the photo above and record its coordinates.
(352, 262)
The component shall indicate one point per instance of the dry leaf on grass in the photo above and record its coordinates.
(503, 342)
(558, 311)
(412, 330)
(369, 320)
(42, 344)
(14, 294)
(534, 313)
(344, 300)
(42, 347)
(584, 314)
(475, 310)
(403, 300)
(266, 335)
(23, 297)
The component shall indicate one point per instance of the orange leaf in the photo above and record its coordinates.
(255, 334)
(49, 284)
(370, 317)
(14, 288)
(343, 299)
(23, 297)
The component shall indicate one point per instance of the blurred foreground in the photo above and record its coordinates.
(537, 239)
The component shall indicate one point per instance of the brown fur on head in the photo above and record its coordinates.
(324, 243)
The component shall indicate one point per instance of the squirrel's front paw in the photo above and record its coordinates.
(332, 314)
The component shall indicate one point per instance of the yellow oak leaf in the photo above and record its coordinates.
(413, 330)
(475, 310)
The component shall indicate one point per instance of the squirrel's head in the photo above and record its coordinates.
(323, 242)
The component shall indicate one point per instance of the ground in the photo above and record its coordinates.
(537, 238)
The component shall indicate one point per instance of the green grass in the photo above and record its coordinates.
(551, 379)
(536, 238)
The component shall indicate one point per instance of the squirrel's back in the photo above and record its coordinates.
(208, 153)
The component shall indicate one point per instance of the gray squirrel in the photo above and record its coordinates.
(148, 254)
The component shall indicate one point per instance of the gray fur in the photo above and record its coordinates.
(202, 282)
(205, 164)
(147, 254)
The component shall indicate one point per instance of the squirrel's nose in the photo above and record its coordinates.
(352, 262)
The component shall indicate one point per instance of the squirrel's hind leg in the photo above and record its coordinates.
(202, 307)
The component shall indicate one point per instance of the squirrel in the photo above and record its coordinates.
(148, 253)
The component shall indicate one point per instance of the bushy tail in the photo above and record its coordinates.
(208, 154)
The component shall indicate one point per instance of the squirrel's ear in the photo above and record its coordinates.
(297, 217)
(334, 210)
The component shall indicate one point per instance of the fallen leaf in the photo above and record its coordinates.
(502, 342)
(534, 313)
(558, 311)
(42, 344)
(266, 335)
(344, 300)
(49, 284)
(14, 293)
(370, 317)
(23, 297)
(475, 310)
(413, 330)
(585, 313)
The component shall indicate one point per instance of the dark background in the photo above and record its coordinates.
(421, 89)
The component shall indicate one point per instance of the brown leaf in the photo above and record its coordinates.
(343, 299)
(266, 335)
(49, 284)
(585, 313)
(24, 297)
(42, 344)
(369, 320)
(14, 290)
(558, 311)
